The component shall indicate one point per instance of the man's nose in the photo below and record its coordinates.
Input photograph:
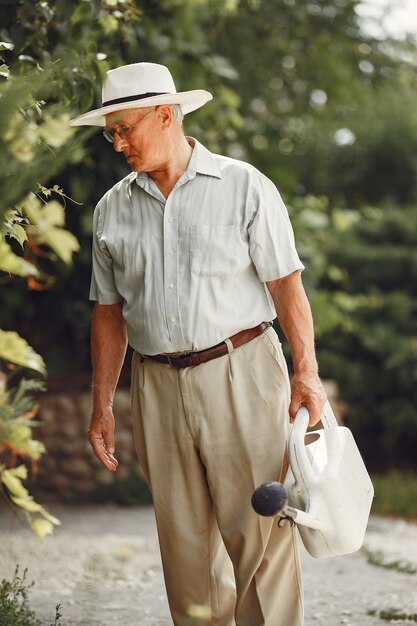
(118, 143)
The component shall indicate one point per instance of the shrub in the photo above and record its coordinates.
(14, 603)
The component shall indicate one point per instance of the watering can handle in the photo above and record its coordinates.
(328, 418)
(297, 454)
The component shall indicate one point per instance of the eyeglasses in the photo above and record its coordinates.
(123, 131)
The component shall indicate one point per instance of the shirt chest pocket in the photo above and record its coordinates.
(214, 249)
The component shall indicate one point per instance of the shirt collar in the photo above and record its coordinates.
(202, 161)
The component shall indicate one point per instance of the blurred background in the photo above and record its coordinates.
(320, 95)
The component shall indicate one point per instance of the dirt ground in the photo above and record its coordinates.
(103, 566)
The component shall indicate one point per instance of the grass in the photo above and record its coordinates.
(392, 615)
(395, 495)
(378, 559)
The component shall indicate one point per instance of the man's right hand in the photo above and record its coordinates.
(101, 437)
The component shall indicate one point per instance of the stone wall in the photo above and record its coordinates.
(69, 468)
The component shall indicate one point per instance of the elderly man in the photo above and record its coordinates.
(193, 257)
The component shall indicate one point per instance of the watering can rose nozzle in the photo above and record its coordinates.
(269, 499)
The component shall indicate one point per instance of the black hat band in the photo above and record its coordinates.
(141, 96)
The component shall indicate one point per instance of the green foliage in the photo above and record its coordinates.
(17, 402)
(14, 603)
(363, 296)
(13, 491)
(36, 145)
(35, 134)
(17, 409)
(395, 494)
(131, 490)
(314, 74)
(369, 157)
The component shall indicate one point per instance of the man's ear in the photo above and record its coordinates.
(165, 113)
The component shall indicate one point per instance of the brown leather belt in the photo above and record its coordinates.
(190, 359)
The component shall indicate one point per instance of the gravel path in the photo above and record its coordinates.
(103, 566)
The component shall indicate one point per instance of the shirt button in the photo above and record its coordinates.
(170, 220)
(171, 252)
(172, 319)
(171, 285)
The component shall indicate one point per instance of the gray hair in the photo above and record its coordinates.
(177, 113)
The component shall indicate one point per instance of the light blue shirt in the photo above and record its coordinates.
(191, 268)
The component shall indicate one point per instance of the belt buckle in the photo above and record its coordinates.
(185, 355)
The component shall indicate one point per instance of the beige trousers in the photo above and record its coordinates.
(206, 437)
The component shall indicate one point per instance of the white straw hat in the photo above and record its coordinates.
(140, 85)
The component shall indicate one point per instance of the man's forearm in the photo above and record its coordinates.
(294, 315)
(108, 349)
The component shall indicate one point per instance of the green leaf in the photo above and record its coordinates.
(27, 504)
(52, 214)
(81, 13)
(63, 243)
(18, 232)
(56, 131)
(20, 496)
(46, 192)
(13, 226)
(21, 471)
(228, 97)
(42, 527)
(46, 220)
(42, 215)
(4, 70)
(20, 437)
(13, 264)
(13, 483)
(108, 23)
(15, 349)
(50, 517)
(4, 45)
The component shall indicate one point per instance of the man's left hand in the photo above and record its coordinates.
(307, 390)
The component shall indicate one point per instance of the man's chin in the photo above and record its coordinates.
(134, 163)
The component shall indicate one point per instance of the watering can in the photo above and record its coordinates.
(327, 490)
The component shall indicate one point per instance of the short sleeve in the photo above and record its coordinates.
(102, 288)
(271, 236)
